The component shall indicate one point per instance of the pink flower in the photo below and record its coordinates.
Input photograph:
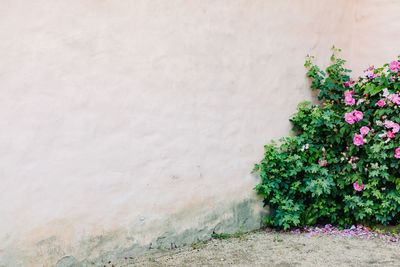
(383, 135)
(381, 103)
(369, 74)
(322, 162)
(349, 118)
(304, 147)
(364, 130)
(397, 153)
(358, 139)
(395, 99)
(349, 101)
(348, 98)
(390, 134)
(348, 94)
(385, 93)
(388, 124)
(353, 116)
(358, 187)
(360, 101)
(347, 84)
(395, 128)
(394, 66)
(358, 115)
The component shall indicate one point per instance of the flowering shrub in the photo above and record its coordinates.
(342, 164)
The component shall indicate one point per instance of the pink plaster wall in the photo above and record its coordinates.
(125, 121)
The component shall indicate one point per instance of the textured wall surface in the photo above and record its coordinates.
(131, 125)
(375, 33)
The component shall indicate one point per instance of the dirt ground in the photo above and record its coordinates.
(271, 249)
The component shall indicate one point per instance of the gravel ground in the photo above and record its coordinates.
(264, 248)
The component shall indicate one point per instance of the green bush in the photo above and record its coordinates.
(341, 165)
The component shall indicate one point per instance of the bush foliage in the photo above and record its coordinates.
(341, 165)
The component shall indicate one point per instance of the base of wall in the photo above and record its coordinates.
(244, 216)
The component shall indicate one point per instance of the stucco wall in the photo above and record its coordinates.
(129, 125)
(375, 33)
